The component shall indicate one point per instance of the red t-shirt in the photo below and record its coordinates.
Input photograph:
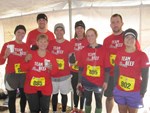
(130, 65)
(61, 51)
(78, 45)
(113, 44)
(31, 38)
(93, 61)
(38, 77)
(15, 58)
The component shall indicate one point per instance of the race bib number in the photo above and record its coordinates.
(126, 83)
(93, 71)
(112, 59)
(60, 63)
(38, 82)
(75, 66)
(18, 69)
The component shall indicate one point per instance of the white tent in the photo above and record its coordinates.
(94, 13)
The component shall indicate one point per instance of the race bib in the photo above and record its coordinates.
(18, 69)
(93, 71)
(75, 66)
(60, 63)
(38, 82)
(126, 83)
(112, 59)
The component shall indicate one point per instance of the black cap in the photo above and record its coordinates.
(130, 31)
(19, 27)
(80, 23)
(41, 15)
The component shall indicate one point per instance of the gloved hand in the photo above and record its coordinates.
(72, 59)
(34, 47)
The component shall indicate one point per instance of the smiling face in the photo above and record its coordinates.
(42, 23)
(42, 42)
(91, 35)
(20, 33)
(59, 32)
(129, 41)
(79, 31)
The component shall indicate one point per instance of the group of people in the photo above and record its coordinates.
(47, 65)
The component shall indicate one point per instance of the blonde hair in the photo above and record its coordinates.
(92, 29)
(42, 36)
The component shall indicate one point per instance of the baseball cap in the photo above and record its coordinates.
(130, 31)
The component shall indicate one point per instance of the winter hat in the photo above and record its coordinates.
(130, 31)
(80, 23)
(41, 15)
(19, 27)
(59, 25)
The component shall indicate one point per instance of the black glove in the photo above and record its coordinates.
(72, 58)
(34, 47)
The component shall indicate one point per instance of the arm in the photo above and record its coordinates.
(107, 74)
(116, 74)
(144, 83)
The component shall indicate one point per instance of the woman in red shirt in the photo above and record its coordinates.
(14, 52)
(93, 71)
(131, 75)
(40, 67)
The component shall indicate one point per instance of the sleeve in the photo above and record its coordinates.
(145, 72)
(144, 61)
(2, 60)
(80, 74)
(116, 74)
(81, 60)
(28, 41)
(25, 66)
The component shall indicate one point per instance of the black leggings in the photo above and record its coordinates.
(12, 100)
(74, 82)
(38, 102)
(64, 100)
(98, 98)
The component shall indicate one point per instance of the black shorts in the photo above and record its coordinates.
(109, 90)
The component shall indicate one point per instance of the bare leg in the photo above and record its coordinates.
(109, 104)
(122, 108)
(132, 110)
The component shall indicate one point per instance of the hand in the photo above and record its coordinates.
(28, 57)
(79, 85)
(34, 47)
(105, 86)
(7, 53)
(49, 66)
(72, 58)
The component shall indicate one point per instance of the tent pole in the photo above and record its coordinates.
(70, 17)
(70, 30)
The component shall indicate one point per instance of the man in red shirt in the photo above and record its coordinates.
(42, 21)
(112, 44)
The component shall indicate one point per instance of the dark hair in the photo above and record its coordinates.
(19, 27)
(115, 15)
(41, 15)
